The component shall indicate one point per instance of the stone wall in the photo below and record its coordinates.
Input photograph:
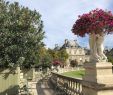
(9, 81)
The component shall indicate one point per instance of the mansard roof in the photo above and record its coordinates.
(70, 44)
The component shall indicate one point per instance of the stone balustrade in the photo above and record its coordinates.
(66, 85)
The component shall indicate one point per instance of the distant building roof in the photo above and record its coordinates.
(70, 44)
(56, 47)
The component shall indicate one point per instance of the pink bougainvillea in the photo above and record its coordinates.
(95, 21)
(56, 63)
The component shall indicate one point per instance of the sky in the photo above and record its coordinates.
(59, 16)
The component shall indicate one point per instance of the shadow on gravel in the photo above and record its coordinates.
(44, 87)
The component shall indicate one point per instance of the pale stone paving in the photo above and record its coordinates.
(41, 87)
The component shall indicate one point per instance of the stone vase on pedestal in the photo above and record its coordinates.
(98, 79)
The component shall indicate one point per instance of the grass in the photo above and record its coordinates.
(75, 74)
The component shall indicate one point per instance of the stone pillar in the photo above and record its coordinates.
(98, 79)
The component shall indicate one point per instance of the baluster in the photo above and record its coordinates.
(78, 87)
(74, 87)
(71, 86)
(68, 85)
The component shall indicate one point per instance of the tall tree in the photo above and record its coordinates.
(59, 55)
(21, 34)
(53, 53)
(63, 56)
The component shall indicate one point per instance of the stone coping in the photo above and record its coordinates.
(97, 86)
(98, 65)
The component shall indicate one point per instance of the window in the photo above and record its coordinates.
(74, 51)
(80, 51)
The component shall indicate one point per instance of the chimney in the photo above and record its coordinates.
(66, 40)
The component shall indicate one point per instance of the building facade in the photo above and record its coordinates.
(75, 52)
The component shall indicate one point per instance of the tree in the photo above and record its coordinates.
(58, 56)
(63, 56)
(21, 34)
(110, 55)
(45, 57)
(74, 63)
(53, 54)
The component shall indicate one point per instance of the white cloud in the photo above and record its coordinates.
(109, 40)
(60, 15)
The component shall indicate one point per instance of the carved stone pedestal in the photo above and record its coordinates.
(98, 79)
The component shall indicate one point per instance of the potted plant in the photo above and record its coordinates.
(97, 23)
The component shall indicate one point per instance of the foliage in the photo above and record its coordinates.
(95, 21)
(74, 63)
(110, 56)
(45, 58)
(110, 59)
(21, 34)
(59, 56)
(53, 54)
(56, 62)
(63, 55)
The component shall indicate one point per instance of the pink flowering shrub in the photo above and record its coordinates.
(56, 63)
(96, 21)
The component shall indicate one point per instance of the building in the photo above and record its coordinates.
(75, 51)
